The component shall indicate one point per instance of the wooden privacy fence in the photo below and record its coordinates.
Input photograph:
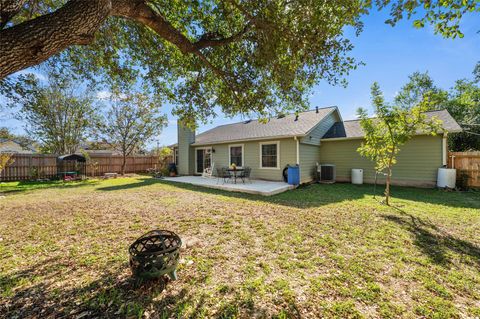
(467, 165)
(34, 166)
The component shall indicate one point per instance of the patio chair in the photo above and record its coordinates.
(223, 173)
(245, 174)
(208, 172)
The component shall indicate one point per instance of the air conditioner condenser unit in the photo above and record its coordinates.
(326, 173)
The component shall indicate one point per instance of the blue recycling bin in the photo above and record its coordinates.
(293, 174)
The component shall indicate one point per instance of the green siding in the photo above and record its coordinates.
(186, 155)
(251, 157)
(309, 157)
(314, 136)
(417, 162)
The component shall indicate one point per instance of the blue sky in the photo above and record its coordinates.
(390, 55)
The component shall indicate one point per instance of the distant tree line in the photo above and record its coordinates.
(462, 101)
(62, 114)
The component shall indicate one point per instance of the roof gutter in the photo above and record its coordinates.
(276, 137)
(341, 138)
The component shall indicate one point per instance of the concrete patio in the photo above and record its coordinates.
(265, 188)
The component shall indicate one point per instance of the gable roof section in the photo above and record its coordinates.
(353, 129)
(20, 146)
(275, 128)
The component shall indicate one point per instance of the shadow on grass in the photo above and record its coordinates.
(139, 182)
(111, 296)
(26, 186)
(435, 243)
(37, 293)
(316, 195)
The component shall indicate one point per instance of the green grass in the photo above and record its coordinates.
(25, 186)
(329, 251)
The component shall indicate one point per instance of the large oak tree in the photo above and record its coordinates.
(241, 55)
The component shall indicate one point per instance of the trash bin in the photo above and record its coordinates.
(172, 169)
(293, 174)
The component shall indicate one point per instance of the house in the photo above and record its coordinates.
(95, 148)
(308, 138)
(13, 146)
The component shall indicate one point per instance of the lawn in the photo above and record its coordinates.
(328, 251)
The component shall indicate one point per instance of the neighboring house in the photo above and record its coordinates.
(12, 146)
(317, 136)
(98, 148)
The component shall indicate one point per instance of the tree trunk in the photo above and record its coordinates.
(9, 8)
(32, 42)
(387, 187)
(124, 163)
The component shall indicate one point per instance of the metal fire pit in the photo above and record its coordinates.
(155, 254)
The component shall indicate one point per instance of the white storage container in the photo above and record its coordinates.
(357, 176)
(446, 177)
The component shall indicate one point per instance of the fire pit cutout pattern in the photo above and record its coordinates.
(155, 254)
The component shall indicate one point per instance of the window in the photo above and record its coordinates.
(269, 153)
(236, 155)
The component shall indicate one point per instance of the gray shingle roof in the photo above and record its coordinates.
(275, 127)
(352, 129)
(20, 147)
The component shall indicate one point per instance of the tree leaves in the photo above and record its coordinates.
(130, 121)
(390, 129)
(57, 112)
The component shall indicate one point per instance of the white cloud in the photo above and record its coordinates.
(104, 95)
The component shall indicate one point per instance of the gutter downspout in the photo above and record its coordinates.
(444, 149)
(298, 158)
(298, 149)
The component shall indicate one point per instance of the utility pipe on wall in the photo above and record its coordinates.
(444, 149)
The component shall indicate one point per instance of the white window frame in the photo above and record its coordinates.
(243, 154)
(278, 154)
(211, 157)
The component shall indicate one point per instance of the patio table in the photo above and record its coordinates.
(235, 172)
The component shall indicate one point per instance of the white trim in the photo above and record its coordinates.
(342, 138)
(175, 155)
(253, 139)
(243, 153)
(444, 149)
(195, 164)
(298, 149)
(260, 144)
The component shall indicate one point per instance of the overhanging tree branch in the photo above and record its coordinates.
(32, 42)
